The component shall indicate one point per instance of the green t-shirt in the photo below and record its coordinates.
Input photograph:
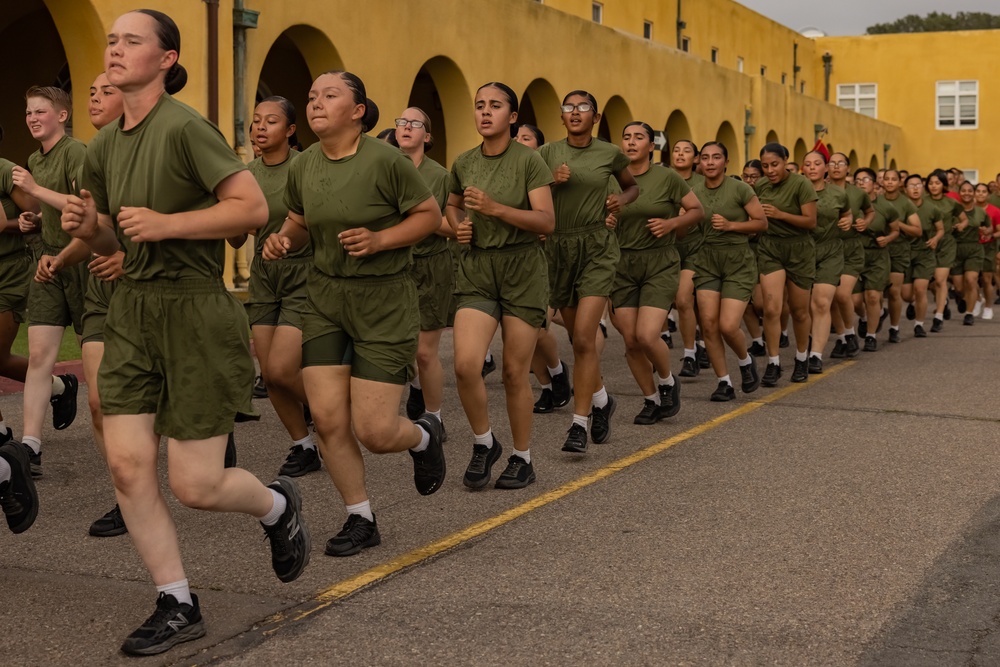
(950, 210)
(728, 200)
(696, 232)
(660, 193)
(373, 188)
(579, 202)
(905, 208)
(171, 162)
(507, 179)
(9, 242)
(994, 199)
(859, 202)
(438, 179)
(885, 214)
(977, 218)
(830, 205)
(57, 170)
(273, 179)
(788, 196)
(928, 214)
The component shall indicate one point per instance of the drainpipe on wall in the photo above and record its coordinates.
(795, 67)
(680, 24)
(243, 20)
(827, 69)
(213, 60)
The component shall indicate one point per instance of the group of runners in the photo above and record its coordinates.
(366, 252)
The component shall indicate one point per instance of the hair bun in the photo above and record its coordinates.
(176, 79)
(370, 119)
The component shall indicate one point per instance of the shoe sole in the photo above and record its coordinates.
(291, 491)
(436, 484)
(542, 410)
(799, 380)
(478, 484)
(611, 413)
(372, 541)
(20, 454)
(514, 484)
(283, 472)
(114, 532)
(722, 399)
(646, 421)
(187, 634)
(753, 386)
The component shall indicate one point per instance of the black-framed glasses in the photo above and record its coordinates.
(839, 163)
(864, 179)
(415, 124)
(583, 107)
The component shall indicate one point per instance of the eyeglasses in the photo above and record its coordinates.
(864, 179)
(839, 163)
(583, 107)
(415, 124)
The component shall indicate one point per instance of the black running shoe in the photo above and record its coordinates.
(477, 473)
(871, 345)
(670, 399)
(757, 349)
(839, 350)
(968, 320)
(576, 440)
(937, 325)
(724, 392)
(64, 405)
(650, 413)
(947, 311)
(6, 436)
(783, 341)
(911, 312)
(750, 378)
(771, 375)
(862, 328)
(600, 421)
(300, 461)
(881, 320)
(290, 541)
(172, 623)
(229, 460)
(814, 366)
(35, 461)
(672, 325)
(415, 403)
(893, 335)
(517, 475)
(18, 497)
(701, 354)
(429, 465)
(111, 524)
(853, 348)
(358, 533)
(668, 339)
(259, 388)
(561, 390)
(545, 403)
(689, 368)
(801, 371)
(489, 366)
(918, 331)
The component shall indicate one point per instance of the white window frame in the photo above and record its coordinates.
(647, 29)
(955, 95)
(971, 175)
(852, 92)
(597, 12)
(739, 64)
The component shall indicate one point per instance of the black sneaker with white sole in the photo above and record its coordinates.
(18, 497)
(64, 405)
(111, 524)
(358, 533)
(172, 623)
(300, 461)
(517, 475)
(600, 421)
(289, 537)
(479, 470)
(429, 465)
(545, 403)
(576, 440)
(749, 377)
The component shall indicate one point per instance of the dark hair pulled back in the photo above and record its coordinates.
(357, 87)
(775, 148)
(511, 99)
(169, 37)
(722, 147)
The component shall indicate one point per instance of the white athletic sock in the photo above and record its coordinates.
(33, 442)
(416, 382)
(726, 379)
(58, 386)
(917, 324)
(850, 332)
(436, 413)
(759, 340)
(364, 508)
(489, 356)
(277, 509)
(484, 439)
(818, 355)
(425, 440)
(547, 386)
(179, 589)
(580, 420)
(774, 360)
(746, 361)
(4, 470)
(307, 442)
(842, 338)
(526, 454)
(600, 398)
(558, 370)
(700, 343)
(669, 380)
(784, 332)
(654, 397)
(689, 353)
(939, 316)
(893, 328)
(800, 356)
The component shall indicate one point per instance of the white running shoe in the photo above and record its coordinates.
(978, 308)
(987, 313)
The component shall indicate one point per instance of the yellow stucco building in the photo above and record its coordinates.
(698, 69)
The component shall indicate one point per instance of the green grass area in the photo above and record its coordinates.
(68, 350)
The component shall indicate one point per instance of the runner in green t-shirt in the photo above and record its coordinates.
(908, 226)
(583, 254)
(969, 254)
(879, 234)
(164, 183)
(499, 204)
(752, 171)
(922, 249)
(954, 220)
(990, 243)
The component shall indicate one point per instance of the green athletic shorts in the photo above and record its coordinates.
(434, 276)
(944, 256)
(968, 257)
(795, 255)
(922, 264)
(16, 273)
(989, 257)
(688, 248)
(829, 262)
(647, 278)
(59, 302)
(854, 256)
(899, 257)
(512, 280)
(277, 294)
(369, 324)
(95, 308)
(179, 349)
(730, 270)
(582, 263)
(875, 273)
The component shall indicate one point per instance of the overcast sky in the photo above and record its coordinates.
(851, 17)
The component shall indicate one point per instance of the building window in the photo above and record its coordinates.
(802, 87)
(597, 12)
(763, 70)
(647, 29)
(715, 55)
(957, 105)
(784, 78)
(685, 44)
(971, 175)
(739, 63)
(859, 97)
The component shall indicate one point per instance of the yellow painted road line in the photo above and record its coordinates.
(351, 585)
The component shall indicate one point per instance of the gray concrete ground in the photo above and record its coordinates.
(855, 521)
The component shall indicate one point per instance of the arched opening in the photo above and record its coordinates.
(873, 164)
(295, 59)
(800, 151)
(540, 107)
(772, 138)
(853, 159)
(892, 164)
(677, 128)
(727, 135)
(613, 120)
(441, 91)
